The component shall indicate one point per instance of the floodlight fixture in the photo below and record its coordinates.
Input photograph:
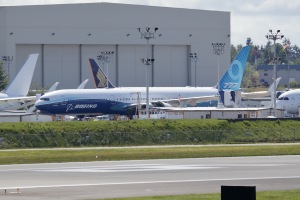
(147, 34)
(274, 37)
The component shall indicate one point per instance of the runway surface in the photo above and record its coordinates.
(109, 179)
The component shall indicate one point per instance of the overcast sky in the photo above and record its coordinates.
(249, 18)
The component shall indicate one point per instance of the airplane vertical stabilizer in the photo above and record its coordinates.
(99, 77)
(232, 79)
(20, 85)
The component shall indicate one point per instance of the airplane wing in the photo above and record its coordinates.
(19, 99)
(191, 100)
(174, 102)
(259, 94)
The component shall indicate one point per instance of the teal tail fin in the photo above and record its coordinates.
(233, 77)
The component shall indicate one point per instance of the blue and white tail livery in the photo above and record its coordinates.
(99, 77)
(232, 79)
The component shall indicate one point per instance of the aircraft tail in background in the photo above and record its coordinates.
(232, 79)
(20, 85)
(53, 87)
(82, 85)
(99, 77)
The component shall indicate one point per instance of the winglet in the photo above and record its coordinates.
(271, 88)
(20, 85)
(99, 77)
(53, 87)
(82, 85)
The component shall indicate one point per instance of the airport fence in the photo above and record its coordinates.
(48, 140)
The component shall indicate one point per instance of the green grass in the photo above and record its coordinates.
(146, 132)
(266, 195)
(84, 155)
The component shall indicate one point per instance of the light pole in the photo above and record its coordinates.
(147, 62)
(194, 58)
(218, 49)
(7, 60)
(288, 64)
(274, 37)
(105, 58)
(147, 34)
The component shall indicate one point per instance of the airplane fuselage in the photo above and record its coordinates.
(289, 101)
(114, 100)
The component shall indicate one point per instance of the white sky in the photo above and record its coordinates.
(249, 18)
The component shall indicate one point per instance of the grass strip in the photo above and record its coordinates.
(172, 152)
(266, 195)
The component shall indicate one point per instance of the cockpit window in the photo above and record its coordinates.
(283, 98)
(45, 99)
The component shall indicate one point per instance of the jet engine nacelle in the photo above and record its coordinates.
(156, 104)
(160, 104)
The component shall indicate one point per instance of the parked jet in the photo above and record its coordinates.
(124, 101)
(14, 95)
(289, 101)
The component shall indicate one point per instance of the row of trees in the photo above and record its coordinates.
(286, 53)
(3, 77)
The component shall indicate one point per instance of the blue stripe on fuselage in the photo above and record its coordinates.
(85, 106)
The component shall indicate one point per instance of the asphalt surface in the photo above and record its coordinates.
(110, 179)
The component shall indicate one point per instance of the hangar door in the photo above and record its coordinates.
(55, 63)
(169, 68)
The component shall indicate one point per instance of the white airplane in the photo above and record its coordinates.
(124, 101)
(289, 101)
(14, 95)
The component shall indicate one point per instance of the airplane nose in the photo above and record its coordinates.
(37, 104)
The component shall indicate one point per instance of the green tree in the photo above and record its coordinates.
(263, 55)
(3, 77)
(233, 52)
(293, 84)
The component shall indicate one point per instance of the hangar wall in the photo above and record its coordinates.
(65, 36)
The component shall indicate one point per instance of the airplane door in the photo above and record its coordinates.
(113, 100)
(293, 105)
(63, 103)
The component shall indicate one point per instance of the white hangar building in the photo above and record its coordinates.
(66, 35)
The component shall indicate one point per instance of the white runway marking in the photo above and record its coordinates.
(131, 168)
(151, 182)
(145, 167)
(140, 167)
